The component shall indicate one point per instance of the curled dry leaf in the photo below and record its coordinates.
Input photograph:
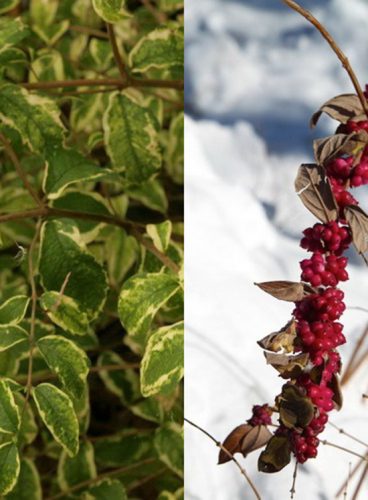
(289, 291)
(358, 223)
(283, 339)
(244, 439)
(337, 398)
(327, 148)
(342, 108)
(296, 409)
(276, 455)
(255, 439)
(288, 366)
(233, 442)
(314, 190)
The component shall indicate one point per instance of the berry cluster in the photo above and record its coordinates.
(329, 237)
(261, 415)
(327, 271)
(318, 331)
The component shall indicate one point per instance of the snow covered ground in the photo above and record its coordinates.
(255, 72)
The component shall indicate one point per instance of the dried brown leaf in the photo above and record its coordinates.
(358, 222)
(284, 290)
(255, 439)
(276, 455)
(283, 339)
(341, 108)
(337, 398)
(315, 192)
(288, 366)
(296, 409)
(233, 442)
(327, 148)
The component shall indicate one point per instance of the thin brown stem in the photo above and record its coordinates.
(293, 490)
(342, 431)
(340, 54)
(105, 82)
(115, 50)
(155, 251)
(360, 483)
(157, 14)
(146, 479)
(347, 482)
(347, 373)
(89, 31)
(342, 448)
(41, 377)
(352, 474)
(89, 482)
(356, 366)
(132, 227)
(18, 168)
(230, 455)
(32, 281)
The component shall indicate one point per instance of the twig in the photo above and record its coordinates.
(341, 431)
(154, 251)
(292, 491)
(130, 226)
(89, 31)
(360, 483)
(356, 366)
(105, 82)
(347, 482)
(340, 54)
(61, 293)
(230, 455)
(145, 480)
(349, 367)
(115, 50)
(31, 272)
(157, 14)
(342, 448)
(19, 169)
(94, 480)
(41, 377)
(343, 486)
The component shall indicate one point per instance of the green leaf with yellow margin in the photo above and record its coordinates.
(131, 138)
(62, 252)
(28, 486)
(9, 466)
(169, 444)
(65, 312)
(75, 470)
(161, 48)
(11, 336)
(107, 489)
(123, 383)
(35, 117)
(57, 413)
(162, 365)
(65, 166)
(141, 297)
(111, 11)
(13, 310)
(12, 31)
(160, 234)
(9, 413)
(69, 362)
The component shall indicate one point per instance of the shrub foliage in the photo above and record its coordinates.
(91, 296)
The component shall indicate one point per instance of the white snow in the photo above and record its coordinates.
(255, 73)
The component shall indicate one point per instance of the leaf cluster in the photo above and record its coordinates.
(91, 249)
